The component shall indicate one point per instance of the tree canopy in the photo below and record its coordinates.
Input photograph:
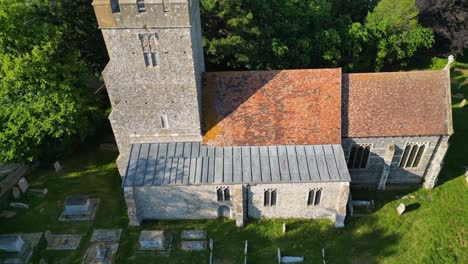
(279, 34)
(449, 21)
(44, 100)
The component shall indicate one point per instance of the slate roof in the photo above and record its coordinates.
(396, 104)
(185, 163)
(266, 108)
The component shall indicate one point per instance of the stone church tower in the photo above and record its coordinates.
(153, 77)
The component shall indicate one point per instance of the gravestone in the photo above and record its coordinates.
(284, 228)
(62, 241)
(19, 205)
(211, 244)
(23, 184)
(57, 166)
(193, 234)
(11, 243)
(106, 235)
(193, 245)
(16, 193)
(77, 205)
(401, 209)
(151, 240)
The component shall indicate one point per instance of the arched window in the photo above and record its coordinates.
(310, 197)
(266, 198)
(269, 197)
(227, 194)
(358, 156)
(412, 155)
(318, 196)
(273, 198)
(219, 193)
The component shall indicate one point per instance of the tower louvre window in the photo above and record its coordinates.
(149, 45)
(358, 156)
(141, 6)
(115, 6)
(412, 155)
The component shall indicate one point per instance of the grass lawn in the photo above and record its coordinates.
(433, 231)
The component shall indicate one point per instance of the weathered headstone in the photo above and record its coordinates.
(193, 245)
(23, 184)
(151, 240)
(193, 234)
(19, 205)
(57, 166)
(16, 193)
(77, 205)
(401, 209)
(106, 235)
(462, 103)
(284, 228)
(11, 243)
(63, 241)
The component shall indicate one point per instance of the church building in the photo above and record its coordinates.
(273, 144)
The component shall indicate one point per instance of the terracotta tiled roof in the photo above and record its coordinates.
(396, 104)
(262, 108)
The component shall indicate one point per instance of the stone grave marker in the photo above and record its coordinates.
(11, 243)
(106, 235)
(401, 208)
(193, 234)
(19, 205)
(196, 245)
(284, 228)
(151, 240)
(18, 247)
(100, 253)
(62, 241)
(23, 184)
(211, 244)
(57, 166)
(79, 208)
(16, 193)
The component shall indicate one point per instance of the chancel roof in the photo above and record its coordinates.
(266, 108)
(185, 163)
(396, 104)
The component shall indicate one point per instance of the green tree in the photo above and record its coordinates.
(271, 34)
(390, 36)
(44, 101)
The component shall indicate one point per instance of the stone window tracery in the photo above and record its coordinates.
(412, 155)
(314, 196)
(269, 197)
(150, 46)
(223, 194)
(359, 156)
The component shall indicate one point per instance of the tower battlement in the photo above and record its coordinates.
(144, 13)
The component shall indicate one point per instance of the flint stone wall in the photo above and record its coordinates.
(291, 201)
(140, 95)
(397, 175)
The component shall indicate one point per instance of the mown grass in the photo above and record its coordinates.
(434, 230)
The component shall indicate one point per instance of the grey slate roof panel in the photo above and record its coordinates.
(192, 163)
